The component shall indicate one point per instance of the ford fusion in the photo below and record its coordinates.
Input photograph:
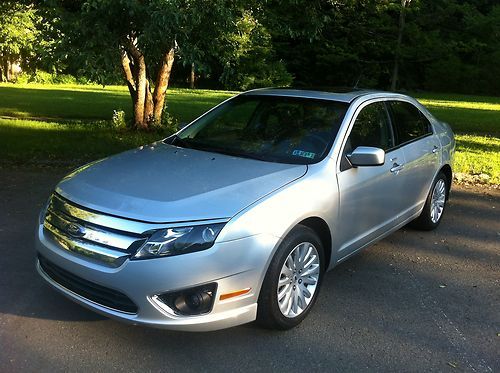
(236, 217)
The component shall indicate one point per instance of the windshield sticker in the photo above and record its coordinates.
(301, 153)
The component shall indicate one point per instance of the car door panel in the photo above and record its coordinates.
(421, 151)
(368, 195)
(369, 202)
(421, 165)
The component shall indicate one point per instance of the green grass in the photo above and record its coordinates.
(466, 114)
(478, 155)
(26, 141)
(68, 133)
(93, 102)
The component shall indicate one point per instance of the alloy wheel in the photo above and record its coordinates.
(298, 279)
(438, 200)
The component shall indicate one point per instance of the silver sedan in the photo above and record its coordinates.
(236, 217)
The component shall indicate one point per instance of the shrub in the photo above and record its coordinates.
(118, 119)
(168, 121)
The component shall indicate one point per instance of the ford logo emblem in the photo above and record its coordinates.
(75, 230)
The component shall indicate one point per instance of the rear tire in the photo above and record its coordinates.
(435, 204)
(292, 281)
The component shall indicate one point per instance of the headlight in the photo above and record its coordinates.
(176, 241)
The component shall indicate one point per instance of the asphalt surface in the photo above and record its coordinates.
(416, 301)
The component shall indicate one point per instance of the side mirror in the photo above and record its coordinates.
(367, 156)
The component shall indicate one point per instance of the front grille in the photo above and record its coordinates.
(96, 293)
(90, 234)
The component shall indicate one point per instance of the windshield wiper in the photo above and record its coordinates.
(234, 153)
(178, 141)
(185, 143)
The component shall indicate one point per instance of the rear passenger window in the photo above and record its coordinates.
(410, 123)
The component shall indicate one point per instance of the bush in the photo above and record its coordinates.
(118, 119)
(63, 79)
(168, 121)
(43, 77)
(22, 78)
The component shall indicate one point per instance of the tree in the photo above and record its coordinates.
(18, 33)
(248, 57)
(402, 20)
(143, 37)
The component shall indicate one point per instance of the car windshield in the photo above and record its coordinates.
(268, 128)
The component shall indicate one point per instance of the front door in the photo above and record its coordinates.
(369, 196)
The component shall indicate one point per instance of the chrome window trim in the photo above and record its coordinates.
(357, 105)
(352, 119)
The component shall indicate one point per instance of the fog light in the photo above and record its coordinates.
(193, 303)
(190, 302)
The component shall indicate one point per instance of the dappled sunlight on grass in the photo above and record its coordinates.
(79, 102)
(462, 104)
(71, 87)
(13, 112)
(478, 155)
(24, 141)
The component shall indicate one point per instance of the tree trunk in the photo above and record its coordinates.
(7, 68)
(141, 84)
(148, 105)
(192, 77)
(149, 117)
(161, 84)
(127, 74)
(397, 55)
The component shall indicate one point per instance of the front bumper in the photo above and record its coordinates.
(233, 265)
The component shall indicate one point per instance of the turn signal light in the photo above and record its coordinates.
(234, 294)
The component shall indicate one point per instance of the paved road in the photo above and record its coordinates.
(413, 302)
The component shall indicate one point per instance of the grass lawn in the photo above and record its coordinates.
(93, 102)
(65, 130)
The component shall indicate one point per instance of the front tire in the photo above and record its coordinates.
(292, 281)
(434, 206)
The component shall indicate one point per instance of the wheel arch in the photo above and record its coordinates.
(322, 229)
(446, 169)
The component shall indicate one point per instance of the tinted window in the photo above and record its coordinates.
(372, 128)
(270, 128)
(410, 123)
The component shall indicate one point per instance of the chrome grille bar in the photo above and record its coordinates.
(77, 230)
(101, 254)
(91, 233)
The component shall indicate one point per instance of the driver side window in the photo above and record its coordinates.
(372, 128)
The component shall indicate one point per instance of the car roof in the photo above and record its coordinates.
(339, 94)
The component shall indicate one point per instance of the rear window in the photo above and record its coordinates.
(410, 123)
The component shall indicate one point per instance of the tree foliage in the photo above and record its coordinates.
(440, 45)
(143, 38)
(18, 33)
(248, 57)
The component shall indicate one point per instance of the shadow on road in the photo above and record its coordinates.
(415, 300)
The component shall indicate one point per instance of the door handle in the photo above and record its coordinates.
(435, 149)
(396, 168)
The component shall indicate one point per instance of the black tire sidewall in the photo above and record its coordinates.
(424, 221)
(268, 313)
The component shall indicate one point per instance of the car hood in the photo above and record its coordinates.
(161, 183)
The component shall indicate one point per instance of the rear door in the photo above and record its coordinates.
(369, 195)
(414, 135)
